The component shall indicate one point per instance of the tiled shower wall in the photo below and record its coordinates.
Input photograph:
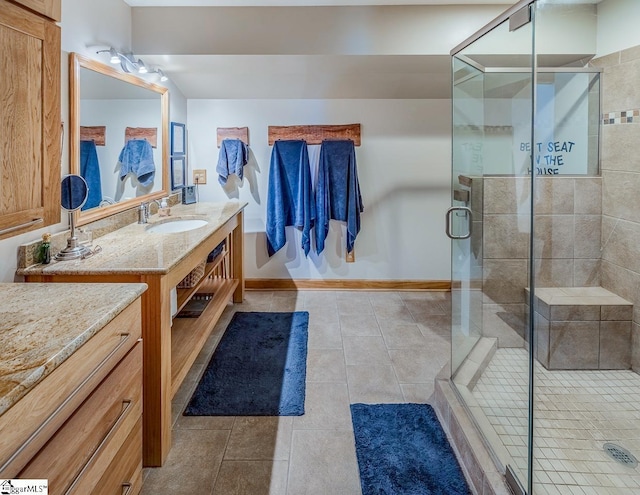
(620, 168)
(567, 244)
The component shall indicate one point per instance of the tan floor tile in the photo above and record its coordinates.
(252, 478)
(373, 384)
(191, 466)
(260, 438)
(359, 325)
(323, 462)
(202, 422)
(420, 393)
(326, 365)
(326, 407)
(350, 303)
(323, 334)
(366, 351)
(402, 335)
(393, 313)
(417, 365)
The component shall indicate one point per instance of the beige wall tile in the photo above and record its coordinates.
(622, 282)
(619, 147)
(541, 336)
(586, 272)
(606, 61)
(506, 236)
(620, 196)
(574, 345)
(615, 345)
(554, 195)
(618, 93)
(635, 347)
(554, 272)
(506, 195)
(587, 236)
(616, 313)
(554, 236)
(630, 54)
(574, 313)
(505, 280)
(623, 245)
(587, 196)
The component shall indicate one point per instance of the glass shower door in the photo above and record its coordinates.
(490, 226)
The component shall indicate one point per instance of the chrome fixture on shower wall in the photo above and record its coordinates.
(129, 63)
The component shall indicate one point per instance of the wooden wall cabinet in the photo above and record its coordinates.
(30, 141)
(48, 8)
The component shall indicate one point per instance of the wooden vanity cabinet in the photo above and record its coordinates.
(29, 117)
(81, 427)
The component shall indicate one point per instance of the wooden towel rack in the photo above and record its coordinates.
(96, 133)
(315, 134)
(241, 133)
(148, 133)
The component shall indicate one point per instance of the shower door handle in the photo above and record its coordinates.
(448, 221)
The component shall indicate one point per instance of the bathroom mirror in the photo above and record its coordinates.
(119, 137)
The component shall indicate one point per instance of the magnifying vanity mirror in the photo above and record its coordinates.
(74, 193)
(119, 135)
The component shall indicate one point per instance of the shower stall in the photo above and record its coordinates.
(543, 287)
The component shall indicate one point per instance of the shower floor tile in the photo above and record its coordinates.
(575, 414)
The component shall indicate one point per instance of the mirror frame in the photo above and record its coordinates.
(76, 62)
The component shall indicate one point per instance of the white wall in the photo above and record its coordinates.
(404, 172)
(617, 25)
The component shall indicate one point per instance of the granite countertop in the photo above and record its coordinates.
(41, 325)
(132, 249)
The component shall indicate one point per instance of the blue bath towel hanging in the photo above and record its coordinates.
(337, 191)
(289, 196)
(137, 157)
(90, 171)
(232, 158)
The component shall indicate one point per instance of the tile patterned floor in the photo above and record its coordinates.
(371, 347)
(576, 412)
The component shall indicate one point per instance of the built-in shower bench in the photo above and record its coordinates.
(587, 328)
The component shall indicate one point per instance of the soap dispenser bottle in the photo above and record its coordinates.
(164, 210)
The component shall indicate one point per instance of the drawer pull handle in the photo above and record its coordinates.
(126, 488)
(123, 339)
(126, 404)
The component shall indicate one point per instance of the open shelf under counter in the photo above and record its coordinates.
(184, 295)
(188, 335)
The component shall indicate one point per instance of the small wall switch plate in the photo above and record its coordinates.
(200, 176)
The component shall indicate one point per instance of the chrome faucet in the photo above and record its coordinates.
(143, 212)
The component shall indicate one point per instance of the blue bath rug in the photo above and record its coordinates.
(402, 450)
(258, 368)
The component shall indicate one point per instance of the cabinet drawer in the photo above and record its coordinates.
(33, 420)
(124, 474)
(76, 456)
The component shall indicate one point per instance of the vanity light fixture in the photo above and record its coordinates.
(129, 63)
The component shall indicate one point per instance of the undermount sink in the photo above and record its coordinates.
(177, 225)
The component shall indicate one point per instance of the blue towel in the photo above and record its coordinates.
(137, 157)
(289, 196)
(232, 158)
(90, 171)
(337, 191)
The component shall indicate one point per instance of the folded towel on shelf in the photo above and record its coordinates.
(90, 171)
(289, 195)
(337, 191)
(137, 157)
(233, 156)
